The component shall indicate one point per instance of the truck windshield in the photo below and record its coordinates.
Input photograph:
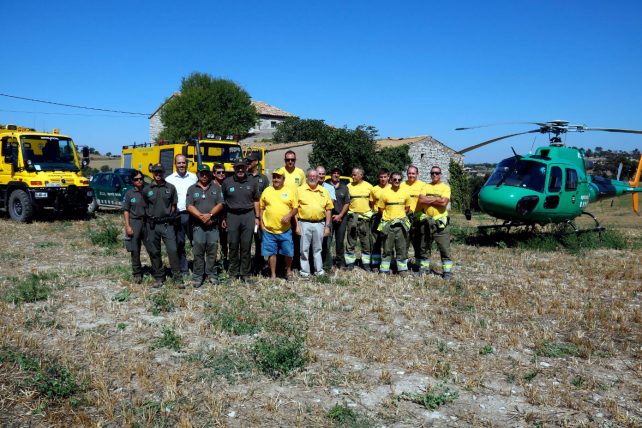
(519, 173)
(48, 153)
(220, 153)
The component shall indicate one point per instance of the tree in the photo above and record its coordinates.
(459, 187)
(348, 148)
(207, 105)
(295, 129)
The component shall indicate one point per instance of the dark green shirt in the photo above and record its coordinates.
(160, 198)
(240, 194)
(343, 197)
(134, 202)
(204, 199)
(261, 181)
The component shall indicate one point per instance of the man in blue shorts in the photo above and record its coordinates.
(277, 207)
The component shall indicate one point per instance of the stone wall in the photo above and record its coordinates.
(428, 152)
(155, 127)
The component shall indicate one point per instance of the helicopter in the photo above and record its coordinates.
(551, 185)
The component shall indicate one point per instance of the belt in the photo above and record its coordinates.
(312, 221)
(240, 211)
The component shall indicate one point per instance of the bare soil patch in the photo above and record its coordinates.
(518, 338)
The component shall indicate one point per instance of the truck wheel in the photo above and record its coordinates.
(20, 206)
(93, 206)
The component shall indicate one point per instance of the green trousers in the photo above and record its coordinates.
(204, 243)
(358, 231)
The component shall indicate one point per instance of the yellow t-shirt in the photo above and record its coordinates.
(360, 197)
(276, 205)
(294, 178)
(413, 191)
(441, 190)
(393, 203)
(313, 203)
(375, 193)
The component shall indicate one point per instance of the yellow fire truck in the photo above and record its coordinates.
(40, 170)
(143, 156)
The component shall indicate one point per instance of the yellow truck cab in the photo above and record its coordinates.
(143, 156)
(40, 170)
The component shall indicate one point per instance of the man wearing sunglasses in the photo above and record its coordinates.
(394, 205)
(294, 177)
(134, 212)
(434, 201)
(413, 186)
(222, 261)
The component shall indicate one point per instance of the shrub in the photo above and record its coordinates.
(161, 302)
(170, 340)
(279, 355)
(432, 398)
(105, 234)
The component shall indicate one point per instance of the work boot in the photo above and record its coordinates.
(138, 279)
(197, 283)
(447, 276)
(158, 283)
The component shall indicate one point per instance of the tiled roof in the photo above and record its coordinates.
(396, 142)
(273, 146)
(264, 109)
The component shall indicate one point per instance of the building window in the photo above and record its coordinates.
(273, 124)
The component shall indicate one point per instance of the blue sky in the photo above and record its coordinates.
(408, 67)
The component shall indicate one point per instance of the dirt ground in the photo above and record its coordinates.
(518, 338)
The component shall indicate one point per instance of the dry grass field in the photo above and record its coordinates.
(520, 337)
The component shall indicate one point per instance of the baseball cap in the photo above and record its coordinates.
(239, 162)
(157, 168)
(204, 167)
(279, 171)
(253, 156)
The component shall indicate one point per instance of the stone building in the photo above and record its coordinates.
(425, 151)
(268, 119)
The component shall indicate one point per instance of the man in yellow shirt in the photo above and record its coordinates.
(314, 214)
(377, 237)
(359, 216)
(413, 186)
(394, 204)
(434, 200)
(294, 177)
(277, 207)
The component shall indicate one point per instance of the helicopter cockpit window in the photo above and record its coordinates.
(571, 179)
(555, 181)
(527, 174)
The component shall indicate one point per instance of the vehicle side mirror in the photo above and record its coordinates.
(85, 157)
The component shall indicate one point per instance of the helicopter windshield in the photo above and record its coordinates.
(527, 174)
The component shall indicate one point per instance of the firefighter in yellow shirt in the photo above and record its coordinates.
(294, 177)
(359, 216)
(377, 237)
(394, 204)
(434, 201)
(413, 186)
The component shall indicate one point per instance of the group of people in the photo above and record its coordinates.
(298, 217)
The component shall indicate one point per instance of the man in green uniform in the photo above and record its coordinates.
(204, 203)
(262, 182)
(161, 199)
(241, 197)
(134, 212)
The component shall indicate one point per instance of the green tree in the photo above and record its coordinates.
(346, 148)
(394, 159)
(459, 186)
(295, 129)
(208, 105)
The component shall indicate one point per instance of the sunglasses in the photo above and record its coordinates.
(290, 160)
(137, 179)
(396, 179)
(219, 172)
(435, 173)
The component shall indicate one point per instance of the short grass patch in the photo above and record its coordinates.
(169, 340)
(557, 350)
(161, 302)
(433, 397)
(235, 316)
(233, 364)
(279, 355)
(341, 415)
(104, 233)
(33, 288)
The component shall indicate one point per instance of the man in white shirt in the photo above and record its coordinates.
(182, 179)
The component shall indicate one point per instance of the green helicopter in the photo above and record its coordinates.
(551, 185)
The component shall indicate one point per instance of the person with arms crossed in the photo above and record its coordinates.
(134, 213)
(205, 204)
(359, 217)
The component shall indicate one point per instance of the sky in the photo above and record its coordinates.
(407, 68)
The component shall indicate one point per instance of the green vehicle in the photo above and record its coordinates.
(110, 188)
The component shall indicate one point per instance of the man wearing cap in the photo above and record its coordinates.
(134, 212)
(161, 199)
(182, 179)
(241, 197)
(205, 203)
(218, 178)
(262, 182)
(278, 207)
(314, 208)
(339, 219)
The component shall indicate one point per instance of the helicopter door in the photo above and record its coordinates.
(571, 197)
(554, 186)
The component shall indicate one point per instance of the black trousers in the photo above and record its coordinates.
(240, 233)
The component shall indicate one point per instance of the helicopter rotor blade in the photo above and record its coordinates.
(464, 128)
(476, 146)
(626, 131)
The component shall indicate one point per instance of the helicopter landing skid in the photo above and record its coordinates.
(505, 225)
(598, 227)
